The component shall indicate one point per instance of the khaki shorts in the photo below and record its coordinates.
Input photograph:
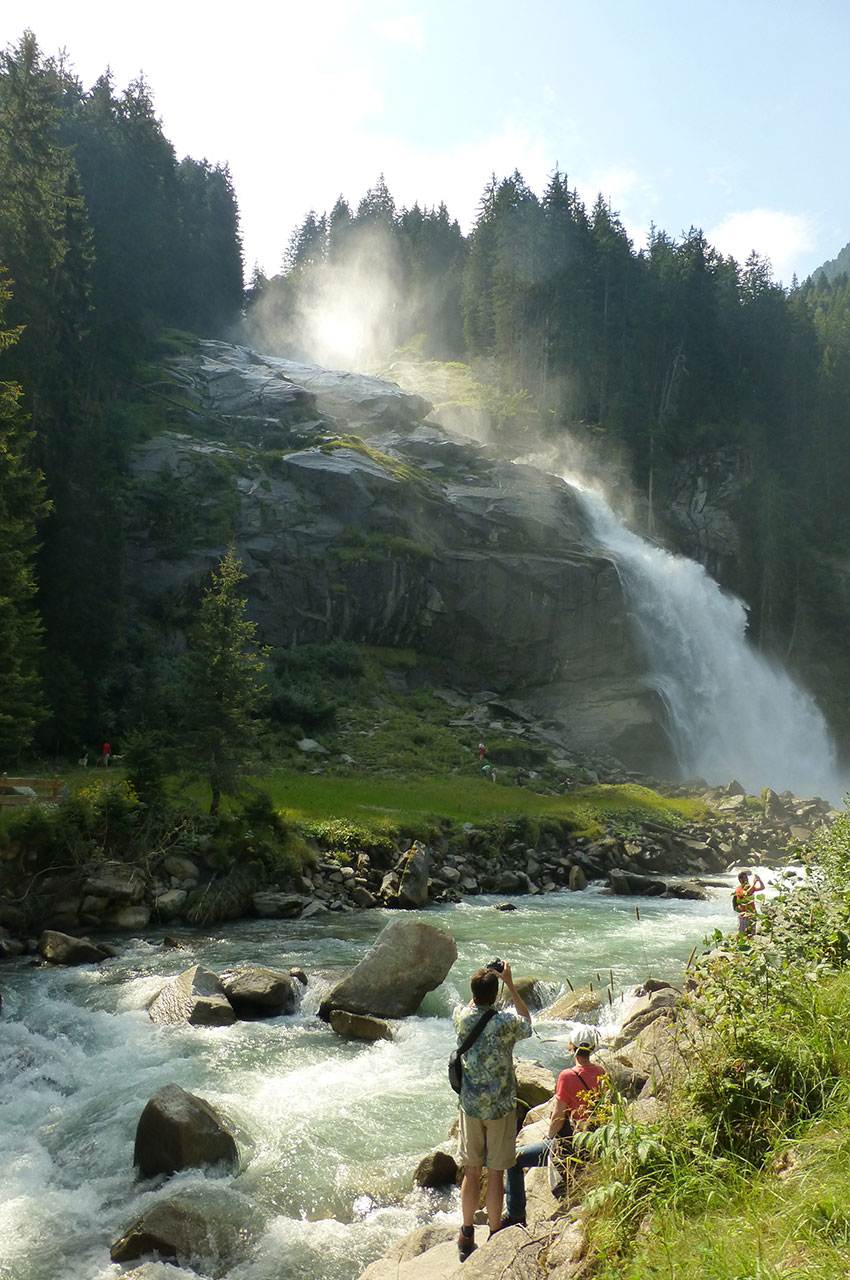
(490, 1142)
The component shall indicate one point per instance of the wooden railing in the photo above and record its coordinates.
(44, 788)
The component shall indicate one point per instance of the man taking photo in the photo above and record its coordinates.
(488, 1095)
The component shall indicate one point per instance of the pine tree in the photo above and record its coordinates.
(222, 686)
(22, 504)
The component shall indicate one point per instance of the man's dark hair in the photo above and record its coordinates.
(485, 987)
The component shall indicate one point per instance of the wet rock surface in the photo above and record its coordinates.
(178, 1130)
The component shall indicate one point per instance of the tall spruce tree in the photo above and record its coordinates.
(222, 686)
(22, 504)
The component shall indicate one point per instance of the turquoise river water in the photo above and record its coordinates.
(330, 1131)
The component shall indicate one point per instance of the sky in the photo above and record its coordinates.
(727, 115)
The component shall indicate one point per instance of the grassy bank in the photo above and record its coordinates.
(456, 799)
(745, 1175)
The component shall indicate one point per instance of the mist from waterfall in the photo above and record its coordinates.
(730, 711)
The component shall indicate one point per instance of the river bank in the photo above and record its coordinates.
(651, 850)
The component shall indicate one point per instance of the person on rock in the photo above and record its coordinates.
(488, 1096)
(745, 902)
(577, 1087)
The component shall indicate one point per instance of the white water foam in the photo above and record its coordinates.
(731, 712)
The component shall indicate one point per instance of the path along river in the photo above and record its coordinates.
(331, 1131)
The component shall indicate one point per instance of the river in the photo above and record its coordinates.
(330, 1131)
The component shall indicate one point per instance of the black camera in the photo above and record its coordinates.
(497, 966)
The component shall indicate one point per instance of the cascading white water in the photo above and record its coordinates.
(731, 713)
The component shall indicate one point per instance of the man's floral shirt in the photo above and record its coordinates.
(489, 1081)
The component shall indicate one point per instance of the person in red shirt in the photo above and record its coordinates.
(104, 755)
(577, 1086)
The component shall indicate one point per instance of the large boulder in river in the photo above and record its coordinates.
(61, 948)
(259, 993)
(177, 1230)
(195, 996)
(178, 1130)
(407, 959)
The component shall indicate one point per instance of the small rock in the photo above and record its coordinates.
(438, 1169)
(358, 1026)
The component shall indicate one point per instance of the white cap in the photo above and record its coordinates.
(584, 1037)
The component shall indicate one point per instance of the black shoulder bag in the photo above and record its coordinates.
(455, 1064)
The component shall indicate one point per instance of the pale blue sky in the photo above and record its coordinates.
(730, 116)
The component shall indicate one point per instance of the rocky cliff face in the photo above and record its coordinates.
(355, 517)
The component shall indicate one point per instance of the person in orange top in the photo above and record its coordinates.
(745, 902)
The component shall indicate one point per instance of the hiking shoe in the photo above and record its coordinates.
(508, 1221)
(465, 1242)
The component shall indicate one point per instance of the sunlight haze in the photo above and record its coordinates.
(723, 116)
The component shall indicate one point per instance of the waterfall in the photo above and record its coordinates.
(730, 711)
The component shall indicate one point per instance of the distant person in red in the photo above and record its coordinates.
(482, 750)
(105, 754)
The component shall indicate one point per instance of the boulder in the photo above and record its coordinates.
(774, 808)
(363, 897)
(428, 1253)
(116, 884)
(358, 1026)
(128, 917)
(654, 1053)
(279, 906)
(178, 1130)
(438, 1169)
(259, 993)
(510, 881)
(625, 1080)
(61, 948)
(645, 1010)
(414, 870)
(578, 880)
(573, 1005)
(407, 959)
(169, 904)
(535, 1083)
(181, 868)
(529, 990)
(195, 996)
(627, 883)
(690, 890)
(178, 1231)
